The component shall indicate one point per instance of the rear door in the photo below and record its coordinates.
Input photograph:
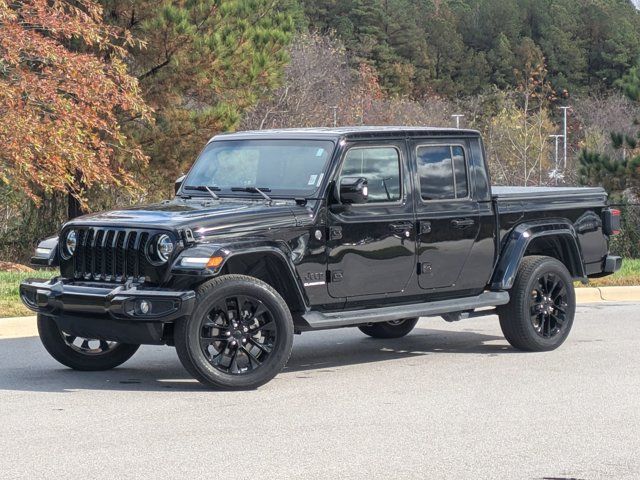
(371, 246)
(447, 215)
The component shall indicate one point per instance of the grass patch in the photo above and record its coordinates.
(10, 303)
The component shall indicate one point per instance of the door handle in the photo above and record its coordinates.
(462, 223)
(401, 228)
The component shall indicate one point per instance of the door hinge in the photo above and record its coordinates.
(187, 236)
(335, 233)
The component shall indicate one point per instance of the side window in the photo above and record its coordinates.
(380, 166)
(442, 171)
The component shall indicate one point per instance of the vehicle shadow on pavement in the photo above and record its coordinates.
(26, 366)
(357, 349)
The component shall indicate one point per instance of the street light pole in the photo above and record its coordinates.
(457, 116)
(564, 135)
(555, 171)
(335, 115)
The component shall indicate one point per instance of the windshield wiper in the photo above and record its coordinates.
(205, 188)
(253, 189)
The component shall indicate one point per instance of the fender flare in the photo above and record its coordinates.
(231, 251)
(520, 238)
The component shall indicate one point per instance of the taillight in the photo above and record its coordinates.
(611, 221)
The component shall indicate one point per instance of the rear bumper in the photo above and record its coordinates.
(612, 264)
(110, 312)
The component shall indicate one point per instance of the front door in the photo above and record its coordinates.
(448, 216)
(371, 246)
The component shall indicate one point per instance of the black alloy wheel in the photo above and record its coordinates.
(239, 335)
(390, 329)
(81, 353)
(542, 304)
(549, 305)
(88, 346)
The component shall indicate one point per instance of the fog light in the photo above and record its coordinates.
(144, 306)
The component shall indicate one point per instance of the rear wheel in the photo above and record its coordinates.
(390, 329)
(540, 313)
(81, 353)
(239, 336)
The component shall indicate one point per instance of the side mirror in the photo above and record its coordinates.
(178, 183)
(46, 254)
(354, 190)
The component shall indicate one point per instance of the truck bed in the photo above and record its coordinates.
(536, 200)
(516, 205)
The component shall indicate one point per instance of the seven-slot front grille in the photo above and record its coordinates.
(110, 254)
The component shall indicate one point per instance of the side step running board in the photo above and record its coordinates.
(319, 320)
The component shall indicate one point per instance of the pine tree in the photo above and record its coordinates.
(630, 84)
(203, 64)
(622, 172)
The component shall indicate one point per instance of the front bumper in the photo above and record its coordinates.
(107, 311)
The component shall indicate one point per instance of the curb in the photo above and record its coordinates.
(588, 295)
(18, 327)
(608, 294)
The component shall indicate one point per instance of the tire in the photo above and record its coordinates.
(540, 314)
(392, 329)
(70, 350)
(239, 336)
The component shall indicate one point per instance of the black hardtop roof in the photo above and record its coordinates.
(355, 132)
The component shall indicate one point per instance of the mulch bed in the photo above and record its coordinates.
(14, 267)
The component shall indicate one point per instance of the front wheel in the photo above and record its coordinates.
(390, 329)
(239, 336)
(81, 353)
(540, 313)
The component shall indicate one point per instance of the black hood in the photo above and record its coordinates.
(202, 216)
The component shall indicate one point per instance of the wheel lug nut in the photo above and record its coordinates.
(244, 340)
(233, 343)
(245, 329)
(227, 333)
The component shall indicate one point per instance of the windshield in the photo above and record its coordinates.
(281, 167)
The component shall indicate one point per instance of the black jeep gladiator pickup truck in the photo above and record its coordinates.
(273, 233)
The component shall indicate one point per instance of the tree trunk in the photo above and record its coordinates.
(74, 209)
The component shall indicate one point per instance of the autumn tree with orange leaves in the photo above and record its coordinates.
(64, 85)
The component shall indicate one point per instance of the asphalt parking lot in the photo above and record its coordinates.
(448, 401)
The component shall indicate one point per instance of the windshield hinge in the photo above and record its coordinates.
(187, 236)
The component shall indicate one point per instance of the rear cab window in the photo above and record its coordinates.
(442, 172)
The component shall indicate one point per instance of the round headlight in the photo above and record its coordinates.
(70, 242)
(164, 247)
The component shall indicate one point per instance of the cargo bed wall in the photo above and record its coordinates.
(582, 207)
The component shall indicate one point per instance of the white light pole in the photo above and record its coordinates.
(555, 171)
(335, 115)
(457, 116)
(564, 135)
